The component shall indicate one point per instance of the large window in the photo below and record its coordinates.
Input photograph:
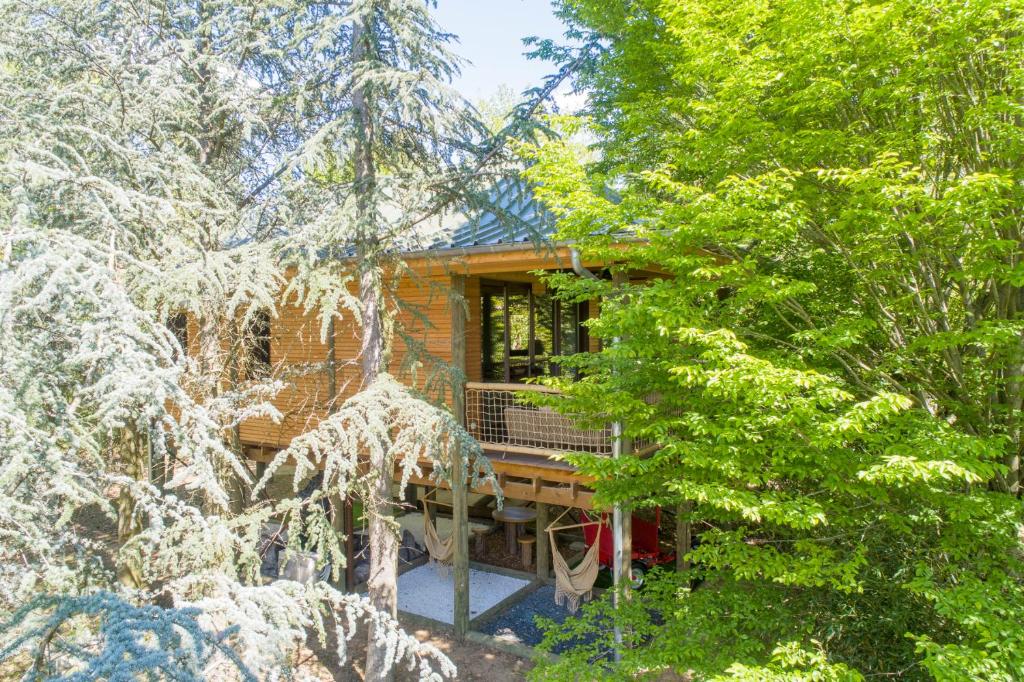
(178, 324)
(524, 331)
(257, 342)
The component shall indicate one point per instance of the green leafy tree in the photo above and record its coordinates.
(830, 194)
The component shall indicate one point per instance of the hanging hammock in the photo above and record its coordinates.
(574, 584)
(441, 551)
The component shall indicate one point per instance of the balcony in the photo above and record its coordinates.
(502, 421)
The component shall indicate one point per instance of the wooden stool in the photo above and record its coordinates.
(478, 539)
(526, 546)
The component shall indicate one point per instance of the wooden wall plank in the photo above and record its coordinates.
(299, 356)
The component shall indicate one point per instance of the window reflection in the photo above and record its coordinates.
(524, 331)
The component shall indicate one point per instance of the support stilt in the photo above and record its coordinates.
(622, 515)
(460, 508)
(338, 526)
(350, 554)
(543, 552)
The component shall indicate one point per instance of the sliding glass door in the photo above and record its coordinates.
(524, 332)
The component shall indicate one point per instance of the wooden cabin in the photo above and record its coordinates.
(509, 330)
(477, 303)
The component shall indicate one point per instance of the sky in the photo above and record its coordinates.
(490, 36)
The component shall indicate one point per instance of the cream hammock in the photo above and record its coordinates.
(441, 551)
(574, 584)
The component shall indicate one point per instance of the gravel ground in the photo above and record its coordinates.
(517, 624)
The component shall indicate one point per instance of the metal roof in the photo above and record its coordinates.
(514, 217)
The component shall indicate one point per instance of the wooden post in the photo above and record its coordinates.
(349, 528)
(338, 526)
(261, 471)
(684, 537)
(157, 465)
(411, 496)
(331, 366)
(542, 541)
(460, 506)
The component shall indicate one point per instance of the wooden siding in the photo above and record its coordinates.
(299, 356)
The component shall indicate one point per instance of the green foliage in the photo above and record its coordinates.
(829, 194)
(792, 663)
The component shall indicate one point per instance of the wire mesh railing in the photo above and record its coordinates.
(499, 417)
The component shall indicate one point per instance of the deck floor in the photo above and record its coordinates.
(497, 456)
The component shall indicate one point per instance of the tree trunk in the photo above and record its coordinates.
(133, 451)
(212, 362)
(382, 585)
(684, 536)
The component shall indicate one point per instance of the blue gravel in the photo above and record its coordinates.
(517, 623)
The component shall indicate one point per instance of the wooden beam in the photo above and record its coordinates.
(560, 494)
(548, 483)
(460, 508)
(517, 388)
(544, 470)
(522, 449)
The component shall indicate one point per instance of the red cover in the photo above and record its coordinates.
(645, 538)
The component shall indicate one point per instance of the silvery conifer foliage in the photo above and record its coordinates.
(80, 364)
(171, 144)
(167, 156)
(391, 423)
(154, 129)
(166, 643)
(407, 160)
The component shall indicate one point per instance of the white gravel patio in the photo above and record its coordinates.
(422, 591)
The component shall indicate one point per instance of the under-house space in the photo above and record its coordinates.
(503, 330)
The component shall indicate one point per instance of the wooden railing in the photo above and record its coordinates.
(500, 419)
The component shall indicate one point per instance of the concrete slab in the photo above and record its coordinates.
(424, 592)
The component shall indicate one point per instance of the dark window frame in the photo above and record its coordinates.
(503, 290)
(178, 325)
(258, 347)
